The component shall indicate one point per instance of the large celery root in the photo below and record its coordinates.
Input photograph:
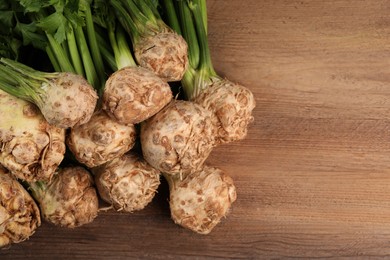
(65, 99)
(29, 146)
(179, 138)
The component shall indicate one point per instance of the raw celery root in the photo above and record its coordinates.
(128, 183)
(156, 46)
(164, 54)
(133, 94)
(19, 214)
(65, 99)
(100, 140)
(69, 199)
(232, 105)
(70, 101)
(179, 138)
(30, 147)
(201, 199)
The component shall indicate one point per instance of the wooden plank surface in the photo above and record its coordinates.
(313, 175)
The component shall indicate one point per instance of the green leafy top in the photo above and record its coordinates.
(103, 14)
(55, 17)
(17, 28)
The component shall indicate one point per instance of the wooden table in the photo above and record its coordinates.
(313, 175)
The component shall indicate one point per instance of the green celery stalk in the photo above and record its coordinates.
(89, 66)
(74, 53)
(106, 52)
(52, 58)
(189, 33)
(61, 55)
(116, 34)
(173, 21)
(93, 44)
(203, 7)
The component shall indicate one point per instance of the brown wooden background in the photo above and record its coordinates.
(313, 176)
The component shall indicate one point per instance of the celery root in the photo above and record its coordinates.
(69, 199)
(179, 138)
(19, 214)
(100, 140)
(164, 53)
(128, 182)
(232, 106)
(65, 99)
(29, 146)
(200, 200)
(133, 94)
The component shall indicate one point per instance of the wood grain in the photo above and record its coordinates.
(312, 176)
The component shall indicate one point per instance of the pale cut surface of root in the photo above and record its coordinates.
(19, 214)
(30, 147)
(128, 183)
(100, 140)
(179, 138)
(70, 100)
(165, 53)
(232, 105)
(200, 200)
(133, 94)
(70, 199)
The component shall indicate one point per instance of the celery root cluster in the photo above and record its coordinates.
(107, 98)
(179, 139)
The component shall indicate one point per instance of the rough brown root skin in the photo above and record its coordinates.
(200, 200)
(179, 138)
(164, 53)
(232, 105)
(128, 183)
(70, 199)
(70, 100)
(19, 214)
(100, 139)
(133, 94)
(30, 147)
